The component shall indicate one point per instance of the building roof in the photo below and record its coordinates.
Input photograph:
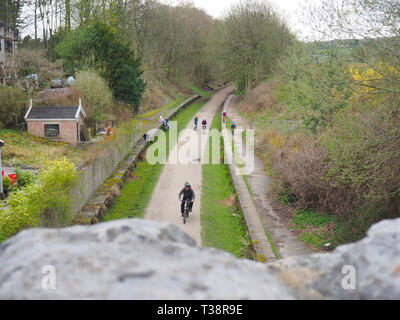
(54, 113)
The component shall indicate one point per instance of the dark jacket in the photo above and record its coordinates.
(187, 194)
(204, 122)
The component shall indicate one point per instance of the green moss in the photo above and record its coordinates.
(261, 258)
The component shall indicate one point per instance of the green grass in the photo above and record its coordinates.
(306, 218)
(22, 148)
(272, 243)
(318, 228)
(165, 109)
(240, 166)
(136, 193)
(222, 221)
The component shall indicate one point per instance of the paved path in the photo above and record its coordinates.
(164, 204)
(275, 221)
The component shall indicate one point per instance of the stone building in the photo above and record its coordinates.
(60, 124)
(9, 38)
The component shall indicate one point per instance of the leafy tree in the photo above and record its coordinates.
(249, 41)
(98, 46)
(95, 92)
(129, 88)
(13, 107)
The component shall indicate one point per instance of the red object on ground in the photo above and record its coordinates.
(13, 178)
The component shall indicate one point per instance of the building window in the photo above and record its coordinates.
(51, 130)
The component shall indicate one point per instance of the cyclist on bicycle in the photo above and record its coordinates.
(224, 116)
(196, 121)
(233, 127)
(204, 124)
(186, 193)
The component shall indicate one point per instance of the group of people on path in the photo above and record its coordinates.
(233, 124)
(204, 123)
(187, 193)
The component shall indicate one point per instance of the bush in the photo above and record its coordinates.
(96, 95)
(13, 106)
(44, 203)
(364, 153)
(6, 184)
(24, 177)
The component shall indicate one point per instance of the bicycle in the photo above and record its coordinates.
(165, 125)
(186, 211)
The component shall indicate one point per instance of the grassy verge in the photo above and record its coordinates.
(136, 192)
(165, 109)
(196, 90)
(240, 166)
(222, 221)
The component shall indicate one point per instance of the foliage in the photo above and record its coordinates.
(129, 86)
(6, 184)
(364, 149)
(35, 61)
(24, 177)
(313, 86)
(98, 46)
(248, 42)
(96, 95)
(13, 107)
(46, 202)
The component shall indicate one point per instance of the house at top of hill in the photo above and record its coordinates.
(58, 123)
(9, 39)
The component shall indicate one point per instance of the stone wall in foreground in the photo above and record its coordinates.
(139, 259)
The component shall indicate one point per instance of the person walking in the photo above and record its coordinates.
(204, 125)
